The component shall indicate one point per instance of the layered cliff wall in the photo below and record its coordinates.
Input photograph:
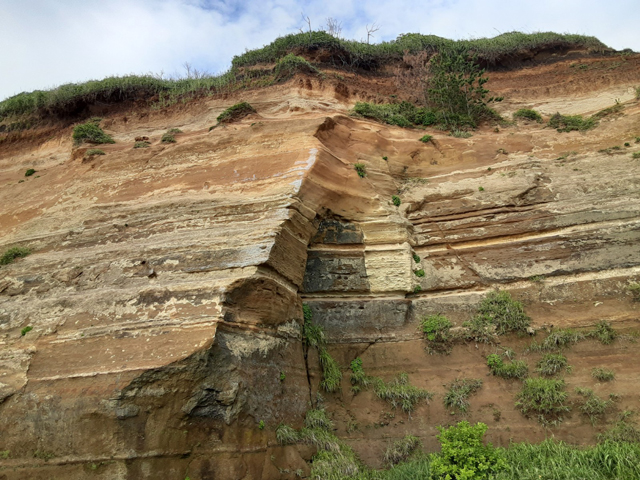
(166, 284)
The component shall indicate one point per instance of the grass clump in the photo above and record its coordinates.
(557, 340)
(404, 114)
(459, 392)
(569, 123)
(94, 151)
(591, 405)
(168, 138)
(400, 393)
(514, 369)
(552, 363)
(426, 138)
(174, 131)
(396, 200)
(401, 450)
(528, 114)
(29, 172)
(502, 311)
(361, 169)
(635, 155)
(143, 144)
(623, 431)
(11, 254)
(634, 288)
(313, 336)
(235, 112)
(318, 419)
(457, 133)
(544, 397)
(291, 64)
(26, 330)
(286, 435)
(359, 379)
(602, 374)
(419, 273)
(90, 132)
(463, 455)
(416, 257)
(437, 330)
(604, 332)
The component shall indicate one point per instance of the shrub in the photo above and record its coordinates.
(552, 363)
(507, 314)
(385, 158)
(402, 114)
(635, 155)
(174, 131)
(557, 340)
(528, 114)
(419, 273)
(426, 138)
(396, 200)
(592, 405)
(602, 374)
(318, 419)
(568, 123)
(313, 336)
(463, 456)
(286, 435)
(416, 257)
(94, 151)
(417, 289)
(359, 379)
(481, 189)
(622, 431)
(29, 172)
(168, 138)
(401, 450)
(634, 288)
(261, 425)
(11, 254)
(90, 132)
(459, 392)
(331, 374)
(400, 393)
(361, 169)
(514, 369)
(460, 133)
(26, 330)
(437, 330)
(235, 112)
(544, 397)
(141, 144)
(604, 332)
(291, 64)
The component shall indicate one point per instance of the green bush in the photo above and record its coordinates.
(528, 114)
(90, 132)
(436, 328)
(419, 273)
(569, 123)
(291, 64)
(313, 336)
(459, 392)
(514, 369)
(634, 289)
(26, 330)
(557, 340)
(141, 144)
(602, 374)
(591, 405)
(544, 397)
(604, 332)
(416, 257)
(635, 155)
(361, 169)
(318, 419)
(11, 254)
(507, 314)
(401, 450)
(168, 138)
(94, 151)
(359, 380)
(463, 456)
(396, 200)
(331, 374)
(552, 363)
(400, 393)
(29, 172)
(286, 435)
(402, 114)
(235, 112)
(622, 431)
(426, 138)
(174, 131)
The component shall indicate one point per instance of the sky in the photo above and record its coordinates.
(46, 43)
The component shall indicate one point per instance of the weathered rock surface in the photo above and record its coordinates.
(166, 284)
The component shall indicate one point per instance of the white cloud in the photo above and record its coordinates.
(50, 42)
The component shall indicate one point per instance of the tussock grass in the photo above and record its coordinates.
(603, 374)
(90, 132)
(437, 330)
(591, 405)
(604, 332)
(313, 336)
(235, 112)
(543, 397)
(359, 379)
(556, 340)
(570, 123)
(291, 64)
(528, 114)
(552, 364)
(402, 114)
(459, 392)
(287, 435)
(401, 450)
(400, 393)
(507, 314)
(94, 151)
(514, 369)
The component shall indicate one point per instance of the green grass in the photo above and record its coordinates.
(402, 114)
(401, 450)
(94, 151)
(570, 123)
(90, 132)
(552, 364)
(26, 330)
(514, 369)
(174, 131)
(29, 172)
(396, 200)
(313, 336)
(557, 340)
(459, 392)
(604, 332)
(613, 110)
(426, 138)
(603, 374)
(13, 253)
(318, 419)
(528, 114)
(359, 379)
(361, 169)
(291, 64)
(141, 144)
(400, 393)
(633, 288)
(500, 309)
(416, 258)
(235, 112)
(419, 273)
(168, 138)
(286, 435)
(437, 330)
(543, 397)
(461, 133)
(591, 405)
(622, 431)
(635, 155)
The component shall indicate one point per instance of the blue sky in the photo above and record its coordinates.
(46, 43)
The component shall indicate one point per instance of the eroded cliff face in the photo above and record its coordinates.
(166, 285)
